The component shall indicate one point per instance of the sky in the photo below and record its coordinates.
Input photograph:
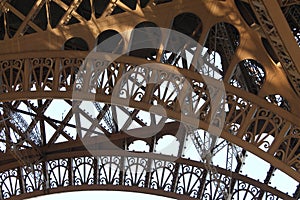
(104, 195)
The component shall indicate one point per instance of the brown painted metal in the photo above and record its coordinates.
(248, 120)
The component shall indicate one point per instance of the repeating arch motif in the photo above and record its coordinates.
(181, 179)
(240, 111)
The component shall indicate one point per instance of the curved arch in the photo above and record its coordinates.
(223, 39)
(111, 163)
(115, 46)
(76, 43)
(139, 145)
(58, 77)
(140, 38)
(190, 25)
(238, 118)
(168, 145)
(248, 75)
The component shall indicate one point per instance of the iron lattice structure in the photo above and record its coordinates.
(45, 42)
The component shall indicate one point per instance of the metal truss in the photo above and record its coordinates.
(35, 145)
(245, 117)
(277, 37)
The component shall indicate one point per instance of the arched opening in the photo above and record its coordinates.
(188, 24)
(167, 145)
(221, 43)
(139, 145)
(248, 75)
(180, 50)
(76, 43)
(145, 42)
(110, 41)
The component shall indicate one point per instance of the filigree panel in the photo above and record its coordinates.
(245, 191)
(189, 180)
(135, 171)
(33, 177)
(155, 86)
(198, 100)
(168, 87)
(134, 82)
(289, 150)
(109, 170)
(104, 76)
(184, 178)
(9, 183)
(58, 173)
(42, 73)
(83, 169)
(162, 175)
(216, 186)
(12, 75)
(236, 110)
(263, 128)
(69, 69)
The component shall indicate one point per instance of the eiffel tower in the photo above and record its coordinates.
(187, 99)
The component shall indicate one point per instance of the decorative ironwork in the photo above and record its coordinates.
(182, 177)
(243, 112)
(41, 152)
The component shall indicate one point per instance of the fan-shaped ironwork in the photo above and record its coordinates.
(50, 143)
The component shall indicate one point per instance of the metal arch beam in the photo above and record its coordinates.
(56, 91)
(51, 186)
(282, 26)
(275, 26)
(244, 116)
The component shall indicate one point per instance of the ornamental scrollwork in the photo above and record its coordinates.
(263, 128)
(109, 168)
(12, 75)
(189, 180)
(236, 110)
(162, 175)
(69, 69)
(58, 173)
(10, 186)
(192, 180)
(289, 150)
(42, 74)
(33, 177)
(83, 170)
